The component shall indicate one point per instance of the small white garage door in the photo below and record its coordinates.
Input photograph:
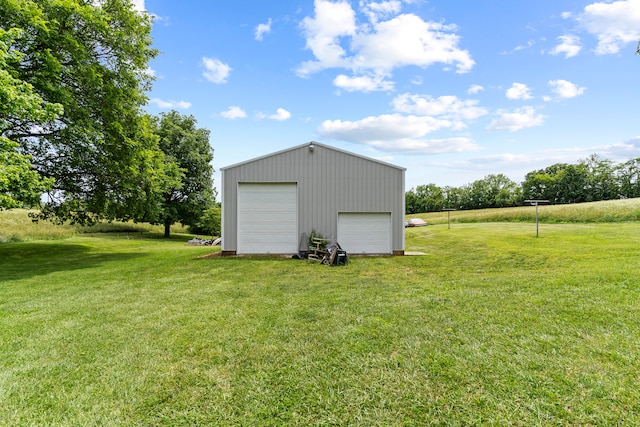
(267, 218)
(365, 233)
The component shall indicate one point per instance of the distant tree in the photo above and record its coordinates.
(471, 196)
(452, 197)
(573, 184)
(411, 205)
(430, 197)
(591, 179)
(90, 57)
(628, 176)
(493, 191)
(543, 184)
(425, 198)
(190, 191)
(502, 191)
(209, 223)
(558, 183)
(602, 183)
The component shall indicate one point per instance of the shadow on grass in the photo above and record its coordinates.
(24, 260)
(140, 235)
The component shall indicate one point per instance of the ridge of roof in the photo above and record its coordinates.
(312, 143)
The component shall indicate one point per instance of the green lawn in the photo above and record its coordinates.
(492, 326)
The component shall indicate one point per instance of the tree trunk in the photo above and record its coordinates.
(167, 229)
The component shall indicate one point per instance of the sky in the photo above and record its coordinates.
(452, 91)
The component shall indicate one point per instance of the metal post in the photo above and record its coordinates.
(536, 203)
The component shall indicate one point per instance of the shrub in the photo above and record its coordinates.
(209, 223)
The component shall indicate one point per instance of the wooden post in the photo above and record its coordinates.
(448, 211)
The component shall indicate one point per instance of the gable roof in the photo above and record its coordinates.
(315, 144)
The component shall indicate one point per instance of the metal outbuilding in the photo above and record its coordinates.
(271, 202)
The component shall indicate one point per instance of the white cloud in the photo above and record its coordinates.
(159, 19)
(408, 129)
(363, 83)
(181, 105)
(528, 45)
(474, 89)
(387, 159)
(281, 115)
(396, 132)
(519, 91)
(332, 21)
(444, 106)
(215, 70)
(618, 151)
(417, 80)
(613, 23)
(138, 5)
(378, 10)
(517, 165)
(150, 72)
(383, 127)
(234, 112)
(565, 89)
(408, 40)
(624, 150)
(263, 29)
(427, 146)
(378, 47)
(518, 119)
(569, 46)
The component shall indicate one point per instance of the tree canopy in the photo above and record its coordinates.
(19, 183)
(189, 187)
(493, 191)
(84, 65)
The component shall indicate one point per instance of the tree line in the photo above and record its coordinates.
(74, 76)
(591, 179)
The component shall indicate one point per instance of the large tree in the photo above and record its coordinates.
(188, 154)
(91, 57)
(20, 185)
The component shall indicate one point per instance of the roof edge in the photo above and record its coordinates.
(315, 143)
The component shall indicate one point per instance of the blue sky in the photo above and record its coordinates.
(450, 90)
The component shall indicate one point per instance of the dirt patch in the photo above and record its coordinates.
(211, 255)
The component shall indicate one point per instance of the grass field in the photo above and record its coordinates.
(17, 226)
(606, 211)
(492, 326)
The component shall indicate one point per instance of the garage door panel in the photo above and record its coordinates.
(267, 218)
(368, 233)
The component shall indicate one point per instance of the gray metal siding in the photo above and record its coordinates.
(329, 181)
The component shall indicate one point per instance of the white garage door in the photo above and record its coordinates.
(368, 233)
(267, 218)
